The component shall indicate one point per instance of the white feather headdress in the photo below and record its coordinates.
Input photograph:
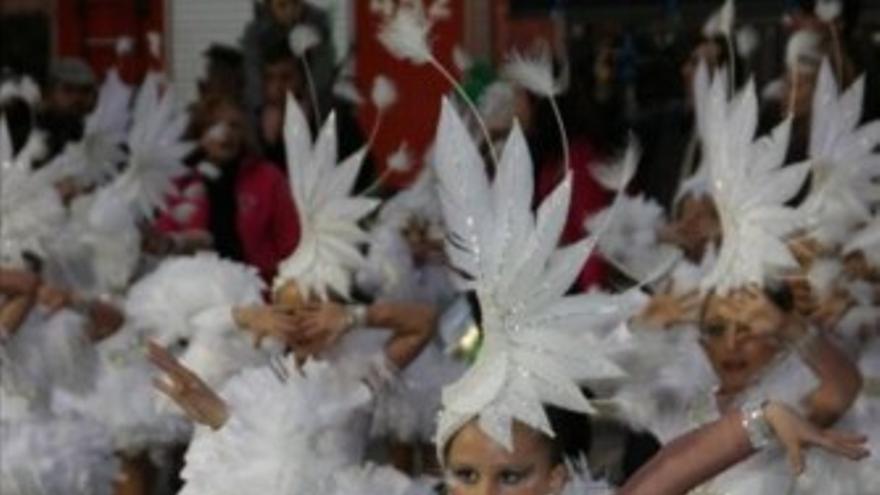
(843, 160)
(327, 254)
(537, 347)
(30, 209)
(156, 149)
(749, 186)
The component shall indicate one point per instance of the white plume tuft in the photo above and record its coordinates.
(803, 46)
(405, 35)
(384, 92)
(828, 10)
(533, 72)
(303, 38)
(720, 23)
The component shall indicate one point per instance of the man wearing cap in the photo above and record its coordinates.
(70, 96)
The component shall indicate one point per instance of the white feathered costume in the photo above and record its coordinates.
(302, 430)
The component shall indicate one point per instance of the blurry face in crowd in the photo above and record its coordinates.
(696, 226)
(72, 99)
(800, 82)
(285, 12)
(280, 78)
(706, 51)
(476, 465)
(740, 334)
(224, 138)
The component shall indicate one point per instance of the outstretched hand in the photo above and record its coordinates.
(199, 401)
(797, 434)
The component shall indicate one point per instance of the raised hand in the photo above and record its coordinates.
(268, 321)
(321, 325)
(186, 389)
(667, 309)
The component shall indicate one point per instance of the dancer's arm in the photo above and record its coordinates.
(696, 457)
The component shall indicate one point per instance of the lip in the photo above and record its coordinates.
(734, 366)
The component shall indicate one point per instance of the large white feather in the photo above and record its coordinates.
(843, 159)
(749, 187)
(330, 237)
(511, 259)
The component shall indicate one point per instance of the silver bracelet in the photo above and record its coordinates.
(755, 424)
(357, 315)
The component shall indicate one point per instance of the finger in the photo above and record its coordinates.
(849, 444)
(167, 386)
(160, 356)
(795, 457)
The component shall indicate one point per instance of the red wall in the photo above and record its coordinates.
(89, 28)
(414, 117)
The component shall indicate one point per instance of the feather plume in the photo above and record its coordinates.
(462, 59)
(749, 186)
(405, 34)
(533, 71)
(124, 45)
(401, 160)
(803, 46)
(303, 38)
(746, 41)
(720, 23)
(828, 10)
(509, 257)
(384, 92)
(156, 150)
(845, 164)
(327, 254)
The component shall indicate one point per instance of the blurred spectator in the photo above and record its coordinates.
(281, 75)
(70, 95)
(272, 24)
(243, 202)
(224, 73)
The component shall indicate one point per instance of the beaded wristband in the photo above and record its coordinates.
(755, 423)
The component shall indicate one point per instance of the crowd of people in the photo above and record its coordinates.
(222, 298)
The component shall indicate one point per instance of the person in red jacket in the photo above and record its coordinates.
(233, 202)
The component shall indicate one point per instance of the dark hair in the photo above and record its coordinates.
(221, 192)
(225, 56)
(223, 218)
(278, 51)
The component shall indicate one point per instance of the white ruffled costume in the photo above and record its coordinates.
(303, 429)
(43, 454)
(186, 305)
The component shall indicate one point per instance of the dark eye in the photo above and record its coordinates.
(713, 330)
(511, 477)
(465, 475)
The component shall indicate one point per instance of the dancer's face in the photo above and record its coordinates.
(476, 465)
(741, 336)
(696, 226)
